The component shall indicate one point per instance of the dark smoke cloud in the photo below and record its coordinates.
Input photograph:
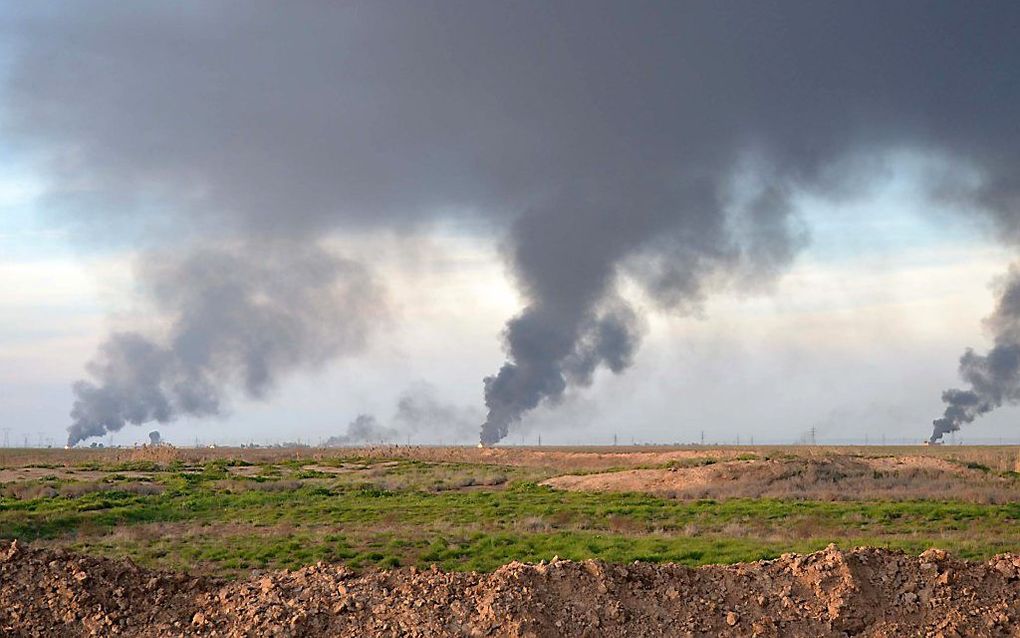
(364, 429)
(237, 317)
(993, 378)
(603, 137)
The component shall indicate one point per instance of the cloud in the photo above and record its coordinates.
(602, 140)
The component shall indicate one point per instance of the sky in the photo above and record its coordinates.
(234, 225)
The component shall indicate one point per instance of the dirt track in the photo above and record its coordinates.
(865, 592)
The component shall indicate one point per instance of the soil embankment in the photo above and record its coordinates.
(864, 592)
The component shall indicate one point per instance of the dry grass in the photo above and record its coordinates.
(31, 490)
(235, 486)
(26, 491)
(159, 454)
(560, 460)
(74, 490)
(821, 478)
(984, 473)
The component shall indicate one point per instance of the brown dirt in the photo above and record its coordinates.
(829, 477)
(654, 481)
(348, 468)
(864, 592)
(896, 463)
(563, 459)
(10, 475)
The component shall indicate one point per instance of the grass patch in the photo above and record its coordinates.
(209, 514)
(368, 526)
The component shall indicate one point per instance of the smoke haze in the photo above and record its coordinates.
(419, 412)
(993, 378)
(650, 146)
(364, 429)
(237, 317)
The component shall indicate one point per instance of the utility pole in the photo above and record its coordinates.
(812, 435)
(614, 440)
(539, 440)
(7, 437)
(702, 437)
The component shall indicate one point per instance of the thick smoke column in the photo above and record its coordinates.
(237, 317)
(993, 379)
(673, 240)
(656, 146)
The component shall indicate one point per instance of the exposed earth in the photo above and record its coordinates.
(864, 592)
(827, 477)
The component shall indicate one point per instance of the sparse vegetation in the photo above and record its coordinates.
(227, 512)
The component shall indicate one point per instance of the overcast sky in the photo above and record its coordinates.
(255, 222)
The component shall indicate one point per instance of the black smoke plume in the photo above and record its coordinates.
(602, 139)
(992, 379)
(364, 429)
(236, 317)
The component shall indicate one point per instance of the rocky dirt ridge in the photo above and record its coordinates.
(863, 592)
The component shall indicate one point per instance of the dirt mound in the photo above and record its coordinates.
(653, 481)
(865, 592)
(834, 478)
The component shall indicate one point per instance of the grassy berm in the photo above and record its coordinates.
(228, 517)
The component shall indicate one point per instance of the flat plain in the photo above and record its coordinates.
(228, 511)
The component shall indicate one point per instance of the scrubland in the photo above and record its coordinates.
(228, 511)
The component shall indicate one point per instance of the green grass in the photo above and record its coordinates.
(197, 522)
(458, 516)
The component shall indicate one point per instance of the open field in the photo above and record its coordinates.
(227, 511)
(419, 541)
